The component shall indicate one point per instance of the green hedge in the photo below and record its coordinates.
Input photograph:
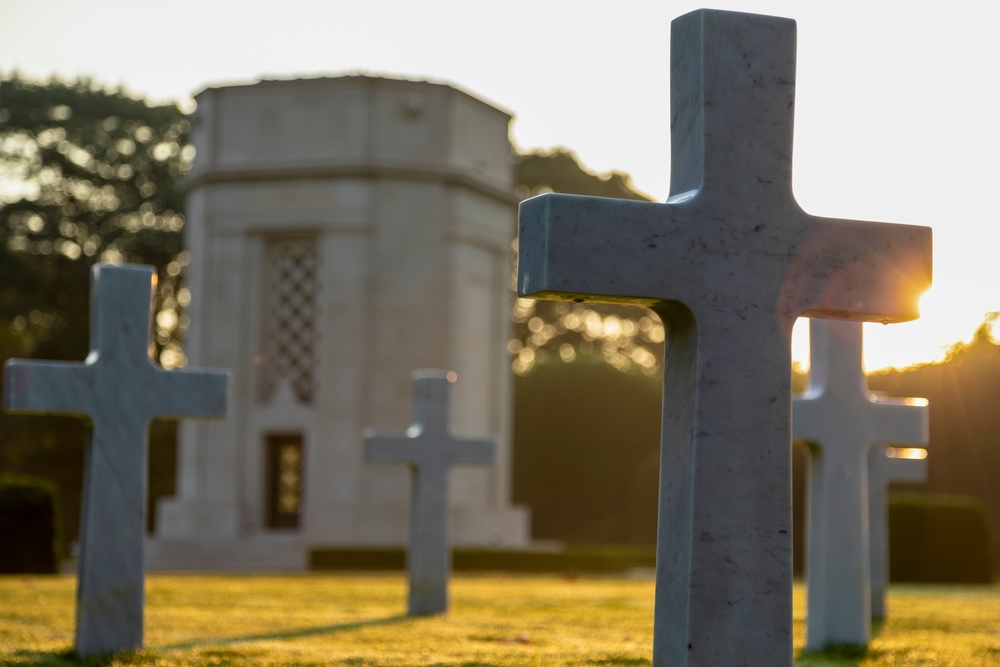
(28, 524)
(569, 559)
(939, 539)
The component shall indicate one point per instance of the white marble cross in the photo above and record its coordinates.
(842, 421)
(118, 390)
(884, 469)
(729, 263)
(430, 451)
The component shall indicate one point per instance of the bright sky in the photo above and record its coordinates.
(896, 111)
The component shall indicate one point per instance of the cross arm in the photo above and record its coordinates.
(191, 393)
(903, 421)
(47, 387)
(473, 451)
(389, 446)
(808, 418)
(899, 420)
(868, 271)
(891, 469)
(575, 248)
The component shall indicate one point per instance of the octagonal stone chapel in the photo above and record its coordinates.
(343, 232)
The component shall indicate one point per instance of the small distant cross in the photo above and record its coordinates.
(884, 469)
(729, 263)
(430, 451)
(118, 390)
(841, 421)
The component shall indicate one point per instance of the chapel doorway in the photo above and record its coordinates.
(284, 475)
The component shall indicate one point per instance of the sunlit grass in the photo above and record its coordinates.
(360, 620)
(928, 625)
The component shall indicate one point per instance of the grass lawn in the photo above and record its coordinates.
(337, 619)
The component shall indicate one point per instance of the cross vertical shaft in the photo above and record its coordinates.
(724, 78)
(428, 559)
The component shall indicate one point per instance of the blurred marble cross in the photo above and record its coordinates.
(842, 421)
(887, 465)
(117, 390)
(430, 451)
(728, 262)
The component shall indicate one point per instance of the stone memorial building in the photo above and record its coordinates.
(343, 232)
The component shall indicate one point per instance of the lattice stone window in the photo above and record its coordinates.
(290, 329)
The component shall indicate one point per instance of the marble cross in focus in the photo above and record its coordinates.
(728, 263)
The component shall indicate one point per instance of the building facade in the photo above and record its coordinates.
(342, 232)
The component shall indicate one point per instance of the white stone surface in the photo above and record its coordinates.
(430, 451)
(729, 263)
(398, 198)
(119, 390)
(884, 469)
(842, 421)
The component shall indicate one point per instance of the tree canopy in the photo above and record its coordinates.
(86, 175)
(628, 338)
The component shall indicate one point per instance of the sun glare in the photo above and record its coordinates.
(945, 320)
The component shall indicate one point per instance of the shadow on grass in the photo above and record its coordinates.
(69, 658)
(286, 634)
(845, 655)
(150, 655)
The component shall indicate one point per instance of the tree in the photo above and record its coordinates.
(86, 175)
(559, 170)
(629, 339)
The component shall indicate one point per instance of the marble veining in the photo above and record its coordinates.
(728, 264)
